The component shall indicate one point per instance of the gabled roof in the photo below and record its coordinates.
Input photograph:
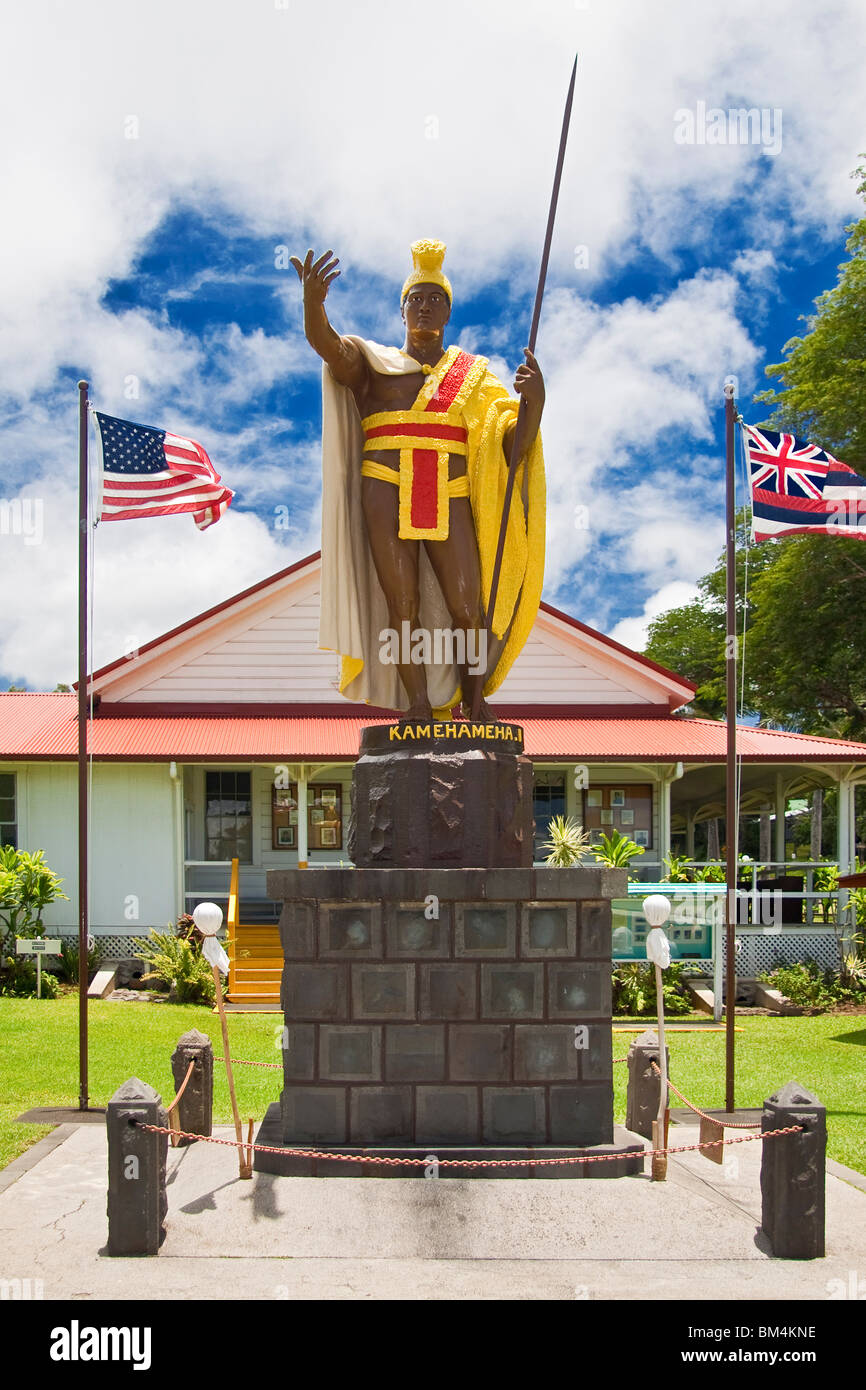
(263, 587)
(260, 648)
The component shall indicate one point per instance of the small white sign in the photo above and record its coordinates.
(37, 946)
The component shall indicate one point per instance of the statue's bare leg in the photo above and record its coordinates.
(456, 566)
(396, 564)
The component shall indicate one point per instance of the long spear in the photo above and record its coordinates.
(519, 437)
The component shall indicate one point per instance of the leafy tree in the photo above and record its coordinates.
(805, 664)
(691, 640)
(823, 396)
(805, 651)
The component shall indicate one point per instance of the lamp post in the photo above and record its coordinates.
(208, 917)
(657, 910)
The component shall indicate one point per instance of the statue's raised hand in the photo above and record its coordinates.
(316, 276)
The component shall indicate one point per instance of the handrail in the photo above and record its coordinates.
(232, 922)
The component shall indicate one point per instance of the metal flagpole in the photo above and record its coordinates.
(518, 438)
(731, 804)
(82, 745)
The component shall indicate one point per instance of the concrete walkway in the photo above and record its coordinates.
(695, 1236)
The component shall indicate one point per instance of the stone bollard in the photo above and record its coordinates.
(195, 1107)
(137, 1202)
(642, 1099)
(792, 1174)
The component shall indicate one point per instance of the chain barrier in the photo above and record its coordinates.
(238, 1062)
(464, 1162)
(713, 1119)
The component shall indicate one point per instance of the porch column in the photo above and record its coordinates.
(845, 854)
(845, 829)
(664, 819)
(764, 834)
(666, 777)
(781, 806)
(176, 775)
(302, 816)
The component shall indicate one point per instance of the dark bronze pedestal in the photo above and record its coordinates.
(445, 998)
(442, 794)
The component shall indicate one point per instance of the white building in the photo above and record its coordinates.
(206, 741)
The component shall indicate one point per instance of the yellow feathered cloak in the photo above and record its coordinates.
(354, 613)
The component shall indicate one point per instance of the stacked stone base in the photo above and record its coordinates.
(621, 1158)
(453, 1011)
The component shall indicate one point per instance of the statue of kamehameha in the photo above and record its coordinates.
(415, 443)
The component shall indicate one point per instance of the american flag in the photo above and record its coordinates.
(149, 472)
(799, 489)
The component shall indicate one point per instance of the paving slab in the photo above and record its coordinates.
(695, 1236)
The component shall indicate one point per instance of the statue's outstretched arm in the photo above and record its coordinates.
(345, 359)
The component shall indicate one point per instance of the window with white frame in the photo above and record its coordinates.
(228, 820)
(8, 811)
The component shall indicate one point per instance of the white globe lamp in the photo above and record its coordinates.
(208, 917)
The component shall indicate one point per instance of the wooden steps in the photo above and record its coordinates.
(256, 964)
(255, 958)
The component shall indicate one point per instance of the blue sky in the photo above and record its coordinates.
(145, 216)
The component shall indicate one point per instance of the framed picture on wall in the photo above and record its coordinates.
(641, 837)
(284, 816)
(325, 819)
(595, 798)
(626, 815)
(607, 817)
(617, 797)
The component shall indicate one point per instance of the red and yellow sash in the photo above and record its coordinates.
(424, 436)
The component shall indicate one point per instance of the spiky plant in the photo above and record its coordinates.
(569, 842)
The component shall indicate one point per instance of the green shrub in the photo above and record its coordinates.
(813, 988)
(67, 968)
(634, 990)
(616, 851)
(178, 962)
(678, 869)
(19, 980)
(27, 886)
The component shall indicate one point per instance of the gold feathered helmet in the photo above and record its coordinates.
(427, 258)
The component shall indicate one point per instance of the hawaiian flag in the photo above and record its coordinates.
(149, 472)
(799, 489)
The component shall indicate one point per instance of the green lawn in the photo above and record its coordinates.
(39, 1062)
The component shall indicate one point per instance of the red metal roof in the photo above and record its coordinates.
(44, 726)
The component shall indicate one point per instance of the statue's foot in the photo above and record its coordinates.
(485, 713)
(416, 712)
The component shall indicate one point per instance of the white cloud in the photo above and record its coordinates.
(298, 129)
(277, 127)
(632, 632)
(148, 576)
(629, 384)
